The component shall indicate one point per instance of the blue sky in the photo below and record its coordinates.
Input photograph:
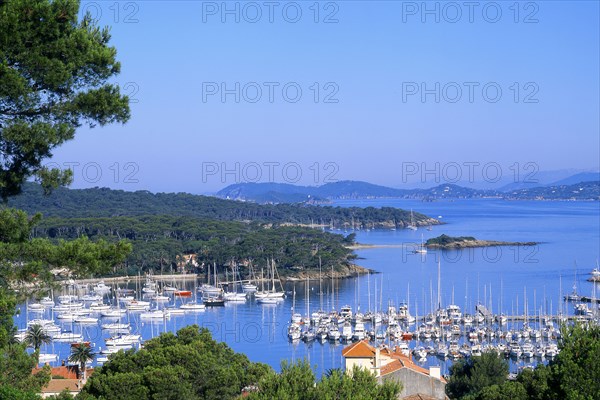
(361, 113)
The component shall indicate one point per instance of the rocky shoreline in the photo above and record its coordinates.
(478, 243)
(389, 224)
(360, 246)
(341, 273)
(127, 278)
(349, 271)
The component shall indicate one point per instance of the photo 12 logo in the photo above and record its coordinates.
(453, 12)
(131, 90)
(468, 171)
(516, 253)
(469, 92)
(113, 12)
(253, 12)
(269, 171)
(269, 92)
(249, 332)
(93, 172)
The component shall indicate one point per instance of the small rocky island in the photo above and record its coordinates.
(459, 242)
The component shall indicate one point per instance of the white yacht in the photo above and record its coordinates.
(101, 288)
(123, 340)
(91, 297)
(155, 314)
(333, 334)
(86, 320)
(294, 332)
(36, 307)
(192, 306)
(68, 337)
(47, 358)
(249, 288)
(137, 305)
(47, 301)
(113, 313)
(528, 350)
(99, 306)
(347, 333)
(233, 296)
(359, 331)
(116, 326)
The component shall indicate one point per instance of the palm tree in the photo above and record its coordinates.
(36, 336)
(81, 354)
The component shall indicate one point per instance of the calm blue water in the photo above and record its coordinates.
(501, 277)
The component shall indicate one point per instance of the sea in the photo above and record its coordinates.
(513, 279)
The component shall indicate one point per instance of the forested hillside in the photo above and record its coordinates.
(165, 226)
(102, 202)
(159, 241)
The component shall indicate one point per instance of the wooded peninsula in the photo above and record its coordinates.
(175, 232)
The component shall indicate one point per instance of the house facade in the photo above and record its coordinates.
(391, 364)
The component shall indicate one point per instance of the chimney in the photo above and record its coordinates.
(434, 372)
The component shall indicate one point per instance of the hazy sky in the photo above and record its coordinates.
(308, 92)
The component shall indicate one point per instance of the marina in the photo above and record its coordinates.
(437, 306)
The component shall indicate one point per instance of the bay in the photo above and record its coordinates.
(504, 278)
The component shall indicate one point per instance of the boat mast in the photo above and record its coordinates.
(307, 298)
(439, 288)
(320, 287)
(332, 290)
(381, 293)
(273, 274)
(369, 291)
(215, 275)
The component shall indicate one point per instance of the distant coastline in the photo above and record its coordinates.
(275, 193)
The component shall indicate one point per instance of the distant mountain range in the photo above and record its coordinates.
(567, 189)
(569, 180)
(526, 178)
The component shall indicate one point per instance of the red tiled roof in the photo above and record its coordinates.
(405, 362)
(58, 385)
(66, 371)
(360, 349)
(391, 367)
(363, 349)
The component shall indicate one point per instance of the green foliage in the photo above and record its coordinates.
(508, 390)
(27, 260)
(574, 374)
(297, 382)
(576, 370)
(188, 365)
(16, 366)
(444, 240)
(8, 304)
(54, 71)
(537, 382)
(119, 386)
(36, 337)
(103, 202)
(64, 395)
(16, 226)
(469, 376)
(159, 240)
(12, 393)
(81, 355)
